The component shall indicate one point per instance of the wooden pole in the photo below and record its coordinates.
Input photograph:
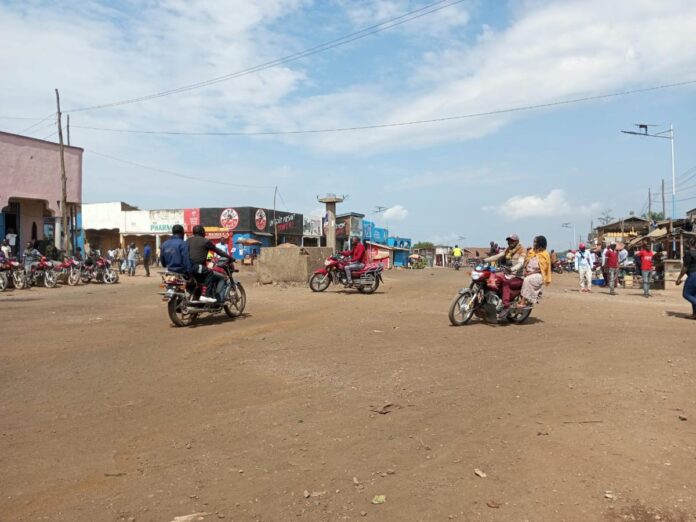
(68, 128)
(664, 211)
(275, 221)
(649, 207)
(64, 183)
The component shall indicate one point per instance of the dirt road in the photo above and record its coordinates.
(108, 413)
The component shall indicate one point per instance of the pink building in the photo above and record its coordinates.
(31, 190)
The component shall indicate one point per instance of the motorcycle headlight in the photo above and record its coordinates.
(475, 276)
(327, 262)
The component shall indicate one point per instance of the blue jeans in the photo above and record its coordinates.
(131, 266)
(646, 281)
(350, 268)
(690, 291)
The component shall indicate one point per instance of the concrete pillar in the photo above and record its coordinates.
(57, 232)
(330, 201)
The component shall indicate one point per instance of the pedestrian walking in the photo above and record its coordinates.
(584, 261)
(147, 256)
(611, 265)
(647, 266)
(132, 258)
(121, 259)
(689, 270)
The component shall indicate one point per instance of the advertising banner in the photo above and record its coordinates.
(192, 217)
(162, 221)
(312, 226)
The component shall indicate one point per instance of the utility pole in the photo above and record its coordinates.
(649, 205)
(275, 221)
(664, 212)
(68, 128)
(64, 183)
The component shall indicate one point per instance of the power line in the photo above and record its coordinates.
(363, 33)
(38, 123)
(20, 118)
(177, 174)
(283, 201)
(397, 124)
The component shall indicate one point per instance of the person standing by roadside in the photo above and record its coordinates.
(132, 258)
(689, 270)
(610, 263)
(147, 256)
(121, 259)
(11, 238)
(646, 255)
(583, 266)
(6, 249)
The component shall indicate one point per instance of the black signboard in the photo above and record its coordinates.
(252, 219)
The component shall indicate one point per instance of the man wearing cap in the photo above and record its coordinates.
(513, 258)
(584, 262)
(610, 262)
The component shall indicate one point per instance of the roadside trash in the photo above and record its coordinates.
(379, 499)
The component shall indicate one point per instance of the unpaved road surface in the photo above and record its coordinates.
(108, 413)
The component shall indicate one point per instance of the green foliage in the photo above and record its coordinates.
(424, 244)
(657, 216)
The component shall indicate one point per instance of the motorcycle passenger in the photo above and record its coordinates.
(537, 271)
(174, 253)
(199, 247)
(513, 259)
(357, 259)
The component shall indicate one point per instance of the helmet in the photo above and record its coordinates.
(198, 230)
(581, 246)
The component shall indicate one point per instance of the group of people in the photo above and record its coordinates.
(531, 268)
(127, 258)
(190, 257)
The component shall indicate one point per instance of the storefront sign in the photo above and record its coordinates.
(162, 221)
(192, 217)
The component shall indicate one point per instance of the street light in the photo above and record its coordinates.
(643, 128)
(570, 225)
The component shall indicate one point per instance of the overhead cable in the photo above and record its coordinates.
(177, 174)
(396, 124)
(363, 33)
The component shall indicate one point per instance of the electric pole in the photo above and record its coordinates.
(664, 212)
(649, 205)
(64, 183)
(68, 129)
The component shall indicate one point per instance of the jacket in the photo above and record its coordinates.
(357, 254)
(174, 256)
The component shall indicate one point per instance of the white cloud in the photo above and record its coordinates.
(395, 213)
(554, 203)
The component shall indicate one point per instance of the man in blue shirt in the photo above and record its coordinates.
(174, 254)
(147, 256)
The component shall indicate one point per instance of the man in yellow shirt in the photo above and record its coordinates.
(457, 254)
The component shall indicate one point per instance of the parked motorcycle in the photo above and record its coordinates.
(98, 268)
(482, 298)
(365, 281)
(42, 271)
(14, 274)
(182, 294)
(69, 271)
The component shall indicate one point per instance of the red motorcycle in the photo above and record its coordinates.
(365, 281)
(483, 299)
(42, 270)
(12, 272)
(70, 271)
(182, 295)
(98, 268)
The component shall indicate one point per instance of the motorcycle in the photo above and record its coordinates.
(182, 294)
(558, 267)
(457, 263)
(12, 272)
(365, 281)
(70, 271)
(42, 271)
(482, 298)
(98, 269)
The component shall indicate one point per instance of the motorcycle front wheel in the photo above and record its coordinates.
(235, 307)
(19, 279)
(175, 309)
(50, 279)
(3, 281)
(462, 308)
(74, 277)
(371, 287)
(319, 282)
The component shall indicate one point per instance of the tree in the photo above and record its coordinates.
(605, 217)
(424, 244)
(657, 216)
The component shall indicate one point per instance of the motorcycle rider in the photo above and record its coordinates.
(512, 258)
(199, 247)
(457, 254)
(174, 253)
(357, 258)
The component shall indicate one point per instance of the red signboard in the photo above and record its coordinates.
(192, 217)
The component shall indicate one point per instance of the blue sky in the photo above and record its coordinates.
(481, 178)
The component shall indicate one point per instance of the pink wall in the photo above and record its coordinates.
(30, 168)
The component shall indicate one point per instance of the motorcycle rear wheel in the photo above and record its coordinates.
(236, 308)
(50, 279)
(319, 282)
(462, 308)
(518, 317)
(18, 279)
(370, 288)
(74, 277)
(177, 315)
(109, 276)
(3, 281)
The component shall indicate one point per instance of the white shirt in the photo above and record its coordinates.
(11, 239)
